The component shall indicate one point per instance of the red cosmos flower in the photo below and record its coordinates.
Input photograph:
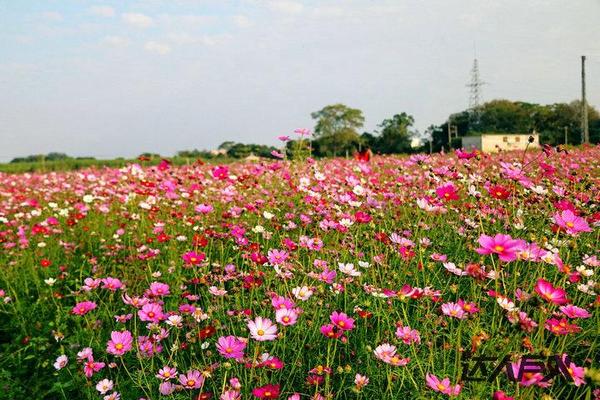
(206, 332)
(199, 240)
(362, 217)
(561, 327)
(266, 392)
(499, 192)
(382, 237)
(44, 262)
(251, 282)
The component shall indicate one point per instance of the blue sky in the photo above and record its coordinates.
(116, 78)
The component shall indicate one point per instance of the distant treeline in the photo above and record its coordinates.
(53, 156)
(337, 126)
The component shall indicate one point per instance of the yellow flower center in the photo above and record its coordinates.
(499, 248)
(260, 332)
(118, 346)
(441, 387)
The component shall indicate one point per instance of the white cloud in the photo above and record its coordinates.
(329, 11)
(286, 6)
(242, 21)
(138, 20)
(102, 11)
(190, 20)
(116, 41)
(157, 48)
(181, 39)
(52, 16)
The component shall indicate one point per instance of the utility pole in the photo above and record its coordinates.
(585, 133)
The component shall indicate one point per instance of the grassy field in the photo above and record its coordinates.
(327, 279)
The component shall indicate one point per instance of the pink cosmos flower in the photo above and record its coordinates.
(262, 329)
(166, 388)
(572, 311)
(90, 366)
(119, 343)
(331, 332)
(166, 373)
(527, 378)
(503, 245)
(61, 362)
(112, 284)
(387, 353)
(576, 372)
(280, 302)
(443, 386)
(231, 347)
(159, 289)
(550, 293)
(230, 395)
(408, 335)
(151, 312)
(83, 308)
(192, 380)
(277, 257)
(360, 381)
(500, 395)
(342, 321)
(470, 308)
(453, 310)
(571, 223)
(203, 208)
(286, 317)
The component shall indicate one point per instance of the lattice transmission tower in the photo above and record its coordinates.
(475, 96)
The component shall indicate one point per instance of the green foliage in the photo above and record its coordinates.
(337, 129)
(508, 116)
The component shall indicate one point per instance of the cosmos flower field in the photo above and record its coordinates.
(327, 279)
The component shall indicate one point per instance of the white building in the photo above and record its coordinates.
(493, 142)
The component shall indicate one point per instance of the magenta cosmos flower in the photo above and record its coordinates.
(119, 343)
(503, 245)
(571, 223)
(266, 392)
(572, 311)
(231, 347)
(550, 293)
(262, 329)
(193, 258)
(342, 321)
(447, 192)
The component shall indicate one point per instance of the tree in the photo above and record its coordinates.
(336, 128)
(395, 135)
